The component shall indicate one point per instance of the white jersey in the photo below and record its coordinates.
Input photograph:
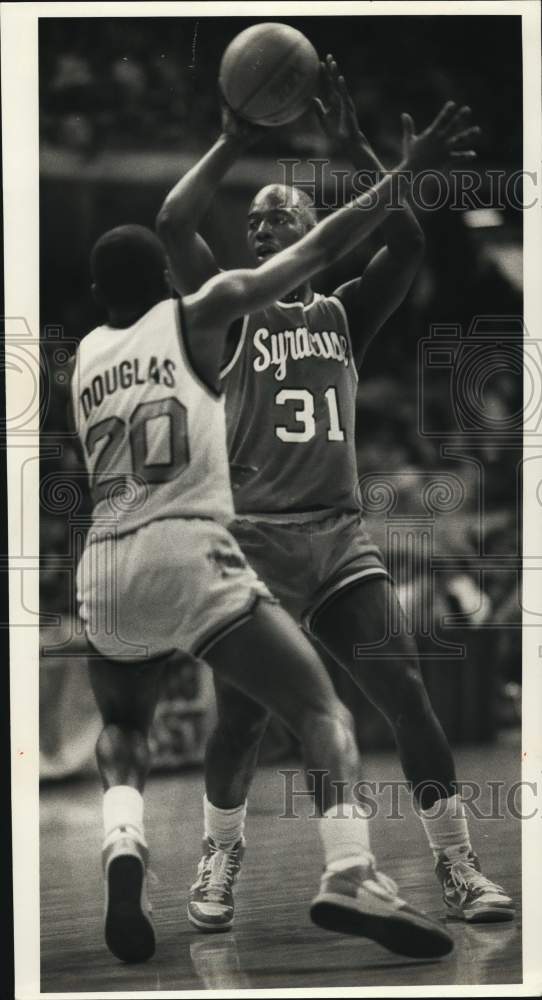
(153, 434)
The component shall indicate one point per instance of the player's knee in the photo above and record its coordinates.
(331, 725)
(343, 717)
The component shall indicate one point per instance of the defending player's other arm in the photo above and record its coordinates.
(338, 117)
(373, 298)
(401, 230)
(370, 300)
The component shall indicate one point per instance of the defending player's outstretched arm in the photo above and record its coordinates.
(372, 298)
(232, 294)
(191, 259)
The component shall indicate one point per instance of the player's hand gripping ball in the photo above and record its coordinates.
(269, 74)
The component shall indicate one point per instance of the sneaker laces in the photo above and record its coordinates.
(217, 872)
(465, 876)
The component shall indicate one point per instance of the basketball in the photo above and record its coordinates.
(269, 74)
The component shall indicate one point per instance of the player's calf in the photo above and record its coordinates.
(231, 754)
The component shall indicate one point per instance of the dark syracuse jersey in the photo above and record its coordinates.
(290, 406)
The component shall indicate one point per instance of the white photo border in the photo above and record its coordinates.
(20, 115)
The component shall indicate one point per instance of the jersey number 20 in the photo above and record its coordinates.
(112, 432)
(304, 415)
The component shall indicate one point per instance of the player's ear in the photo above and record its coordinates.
(168, 282)
(96, 294)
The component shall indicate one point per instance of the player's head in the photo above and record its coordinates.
(279, 216)
(129, 271)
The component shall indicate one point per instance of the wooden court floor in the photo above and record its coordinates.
(273, 943)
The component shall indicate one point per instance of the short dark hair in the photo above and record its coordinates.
(127, 266)
(293, 197)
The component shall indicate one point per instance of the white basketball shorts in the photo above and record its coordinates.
(174, 584)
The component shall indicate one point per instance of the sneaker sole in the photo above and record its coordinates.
(209, 928)
(129, 933)
(488, 915)
(400, 933)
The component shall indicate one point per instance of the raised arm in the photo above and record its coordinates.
(227, 296)
(372, 298)
(191, 259)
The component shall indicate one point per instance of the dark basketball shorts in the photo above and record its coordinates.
(306, 564)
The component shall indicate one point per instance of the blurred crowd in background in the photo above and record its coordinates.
(115, 83)
(126, 105)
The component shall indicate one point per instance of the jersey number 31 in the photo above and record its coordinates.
(304, 415)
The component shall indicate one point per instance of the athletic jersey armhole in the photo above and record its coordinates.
(237, 353)
(185, 351)
(73, 400)
(342, 310)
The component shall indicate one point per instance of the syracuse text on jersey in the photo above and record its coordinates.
(275, 349)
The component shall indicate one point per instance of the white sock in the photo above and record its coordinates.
(445, 824)
(225, 826)
(123, 806)
(344, 830)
